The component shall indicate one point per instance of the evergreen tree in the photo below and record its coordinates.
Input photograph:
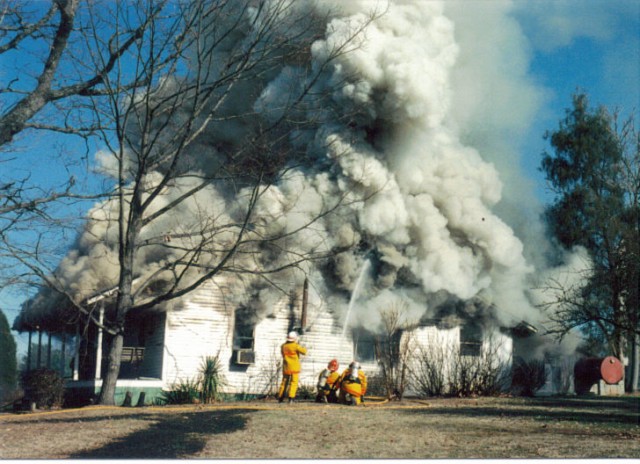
(8, 363)
(593, 173)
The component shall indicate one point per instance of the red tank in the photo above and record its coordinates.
(589, 371)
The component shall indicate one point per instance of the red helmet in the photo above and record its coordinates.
(333, 365)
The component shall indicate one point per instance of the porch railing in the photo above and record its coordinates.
(132, 354)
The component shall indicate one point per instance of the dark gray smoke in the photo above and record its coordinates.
(437, 93)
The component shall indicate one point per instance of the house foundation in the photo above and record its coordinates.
(85, 392)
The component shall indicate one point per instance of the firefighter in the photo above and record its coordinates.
(327, 383)
(352, 384)
(291, 352)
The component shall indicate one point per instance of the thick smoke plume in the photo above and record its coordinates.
(436, 95)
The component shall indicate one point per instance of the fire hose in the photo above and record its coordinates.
(374, 400)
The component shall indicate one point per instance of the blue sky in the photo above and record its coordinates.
(588, 45)
(597, 50)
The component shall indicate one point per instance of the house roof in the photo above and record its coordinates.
(523, 330)
(52, 311)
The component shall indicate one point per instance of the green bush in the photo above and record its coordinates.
(8, 363)
(44, 387)
(183, 392)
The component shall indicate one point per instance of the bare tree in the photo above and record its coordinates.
(194, 154)
(19, 26)
(394, 348)
(47, 86)
(441, 368)
(430, 368)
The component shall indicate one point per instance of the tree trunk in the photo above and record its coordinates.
(129, 229)
(633, 370)
(123, 304)
(108, 390)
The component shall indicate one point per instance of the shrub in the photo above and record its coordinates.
(394, 347)
(528, 377)
(428, 374)
(376, 385)
(305, 392)
(270, 376)
(477, 375)
(482, 375)
(183, 392)
(441, 370)
(44, 387)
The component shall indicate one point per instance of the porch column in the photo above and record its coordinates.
(39, 359)
(29, 352)
(99, 347)
(49, 352)
(76, 355)
(62, 354)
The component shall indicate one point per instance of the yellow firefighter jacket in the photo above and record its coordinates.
(357, 387)
(331, 378)
(291, 352)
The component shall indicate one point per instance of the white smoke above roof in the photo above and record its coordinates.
(435, 93)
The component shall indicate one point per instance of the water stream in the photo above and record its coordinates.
(354, 295)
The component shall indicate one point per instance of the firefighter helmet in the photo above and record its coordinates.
(293, 336)
(333, 365)
(354, 365)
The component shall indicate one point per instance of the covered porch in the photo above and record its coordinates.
(76, 346)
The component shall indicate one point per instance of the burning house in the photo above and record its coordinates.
(405, 149)
(164, 348)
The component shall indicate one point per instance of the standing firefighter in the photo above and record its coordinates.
(352, 384)
(291, 352)
(327, 382)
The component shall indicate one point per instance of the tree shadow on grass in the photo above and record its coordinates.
(584, 410)
(617, 403)
(170, 436)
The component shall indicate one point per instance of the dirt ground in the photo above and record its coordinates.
(570, 427)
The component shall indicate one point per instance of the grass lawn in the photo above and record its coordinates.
(568, 427)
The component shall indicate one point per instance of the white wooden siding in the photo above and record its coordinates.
(198, 326)
(202, 325)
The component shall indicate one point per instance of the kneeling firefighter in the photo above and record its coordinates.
(327, 383)
(352, 384)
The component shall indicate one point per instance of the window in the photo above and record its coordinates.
(364, 346)
(470, 339)
(243, 333)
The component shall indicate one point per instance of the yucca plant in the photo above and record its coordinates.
(211, 379)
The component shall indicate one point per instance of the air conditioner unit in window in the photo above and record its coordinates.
(245, 356)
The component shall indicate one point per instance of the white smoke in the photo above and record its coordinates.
(435, 95)
(561, 285)
(435, 194)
